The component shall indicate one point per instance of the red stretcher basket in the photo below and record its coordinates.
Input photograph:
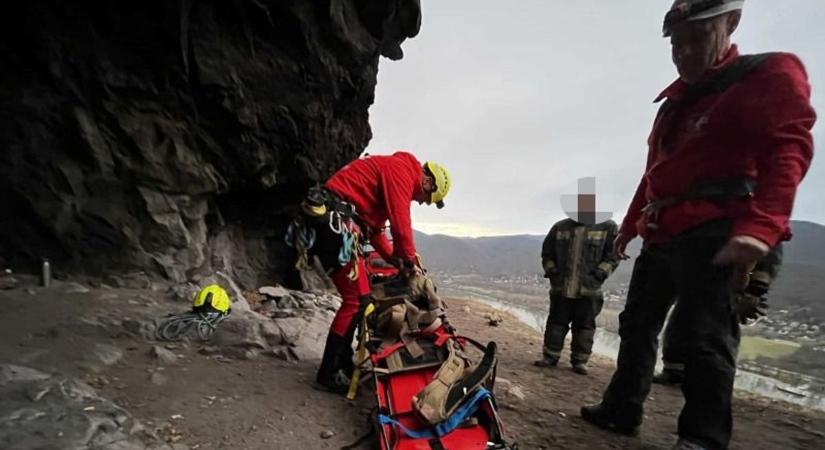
(398, 424)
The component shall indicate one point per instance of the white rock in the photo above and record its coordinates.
(516, 392)
(76, 288)
(273, 291)
(163, 356)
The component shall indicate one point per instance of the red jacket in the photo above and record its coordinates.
(382, 188)
(758, 128)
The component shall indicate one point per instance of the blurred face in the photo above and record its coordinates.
(698, 45)
(427, 188)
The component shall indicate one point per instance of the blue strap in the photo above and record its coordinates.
(345, 254)
(464, 412)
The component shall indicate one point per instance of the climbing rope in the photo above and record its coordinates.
(175, 327)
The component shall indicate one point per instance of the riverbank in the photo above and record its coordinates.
(548, 417)
(758, 370)
(198, 396)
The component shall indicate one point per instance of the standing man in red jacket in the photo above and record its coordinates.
(728, 149)
(358, 200)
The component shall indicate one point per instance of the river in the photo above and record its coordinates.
(606, 343)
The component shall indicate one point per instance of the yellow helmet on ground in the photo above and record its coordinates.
(212, 298)
(442, 182)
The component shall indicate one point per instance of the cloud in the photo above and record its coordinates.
(520, 99)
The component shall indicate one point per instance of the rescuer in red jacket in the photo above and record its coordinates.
(728, 149)
(355, 204)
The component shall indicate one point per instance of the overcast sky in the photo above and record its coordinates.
(519, 99)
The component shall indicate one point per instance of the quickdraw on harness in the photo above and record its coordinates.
(301, 238)
(210, 307)
(318, 203)
(350, 243)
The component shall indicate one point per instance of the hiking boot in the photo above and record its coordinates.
(669, 377)
(580, 368)
(603, 417)
(339, 384)
(684, 444)
(546, 362)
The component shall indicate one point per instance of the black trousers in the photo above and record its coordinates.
(709, 330)
(578, 314)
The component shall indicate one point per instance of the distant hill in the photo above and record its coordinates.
(519, 254)
(801, 282)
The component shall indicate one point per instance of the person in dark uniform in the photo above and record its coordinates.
(577, 257)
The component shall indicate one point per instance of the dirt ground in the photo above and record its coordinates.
(205, 401)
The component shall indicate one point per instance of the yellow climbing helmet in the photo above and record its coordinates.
(212, 298)
(442, 183)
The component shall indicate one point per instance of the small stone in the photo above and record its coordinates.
(158, 379)
(8, 282)
(31, 291)
(326, 434)
(209, 350)
(493, 319)
(282, 353)
(466, 309)
(76, 288)
(139, 328)
(516, 392)
(105, 354)
(562, 414)
(503, 383)
(163, 356)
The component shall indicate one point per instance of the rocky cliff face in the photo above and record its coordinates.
(169, 136)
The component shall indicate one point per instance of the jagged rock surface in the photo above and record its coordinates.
(168, 136)
(47, 411)
(293, 326)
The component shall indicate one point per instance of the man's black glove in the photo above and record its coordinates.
(599, 275)
(750, 307)
(752, 304)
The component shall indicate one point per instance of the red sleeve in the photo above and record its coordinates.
(634, 211)
(381, 245)
(398, 191)
(783, 118)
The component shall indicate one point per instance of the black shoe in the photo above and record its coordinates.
(669, 377)
(602, 417)
(339, 384)
(580, 368)
(546, 362)
(337, 357)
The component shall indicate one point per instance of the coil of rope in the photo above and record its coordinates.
(175, 327)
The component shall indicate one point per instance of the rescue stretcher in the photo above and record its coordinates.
(411, 376)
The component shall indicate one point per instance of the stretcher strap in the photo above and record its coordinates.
(464, 412)
(362, 351)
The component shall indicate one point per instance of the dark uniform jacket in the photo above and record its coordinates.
(577, 258)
